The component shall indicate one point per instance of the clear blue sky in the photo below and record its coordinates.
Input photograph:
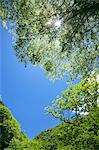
(26, 91)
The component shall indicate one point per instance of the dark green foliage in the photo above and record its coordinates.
(48, 66)
(11, 137)
(76, 134)
(9, 127)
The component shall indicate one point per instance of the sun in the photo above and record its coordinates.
(58, 23)
(54, 23)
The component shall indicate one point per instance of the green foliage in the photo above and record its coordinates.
(64, 33)
(62, 37)
(8, 125)
(79, 99)
(11, 137)
(78, 134)
(10, 129)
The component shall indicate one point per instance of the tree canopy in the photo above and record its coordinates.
(60, 36)
(79, 99)
(81, 133)
(11, 136)
(8, 126)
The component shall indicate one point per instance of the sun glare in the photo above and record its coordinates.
(58, 23)
(54, 23)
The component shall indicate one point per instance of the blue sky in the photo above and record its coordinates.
(26, 91)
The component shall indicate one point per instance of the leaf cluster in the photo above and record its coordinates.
(38, 40)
